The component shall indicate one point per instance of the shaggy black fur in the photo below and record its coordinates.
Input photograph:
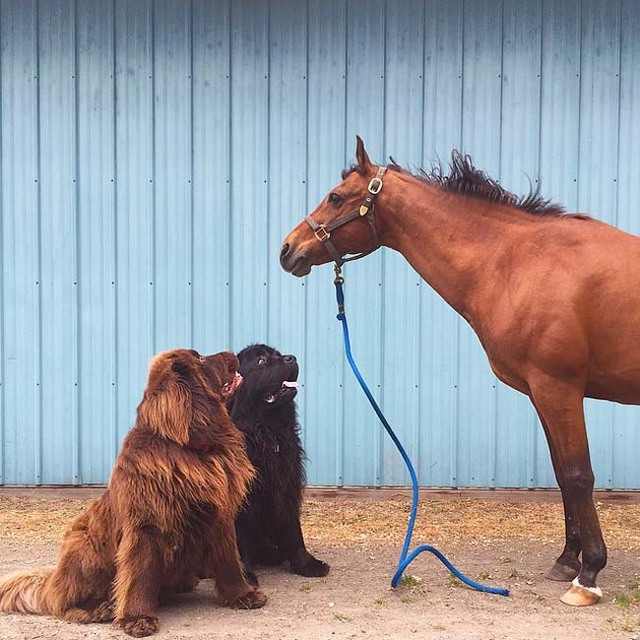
(264, 408)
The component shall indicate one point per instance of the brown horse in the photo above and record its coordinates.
(553, 298)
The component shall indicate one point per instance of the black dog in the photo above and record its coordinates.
(268, 527)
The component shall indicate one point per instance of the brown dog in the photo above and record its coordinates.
(167, 516)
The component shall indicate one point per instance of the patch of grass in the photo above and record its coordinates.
(630, 624)
(453, 581)
(305, 587)
(484, 575)
(514, 573)
(409, 582)
(626, 600)
(343, 617)
(379, 602)
(623, 601)
(634, 586)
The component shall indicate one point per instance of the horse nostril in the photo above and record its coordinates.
(284, 250)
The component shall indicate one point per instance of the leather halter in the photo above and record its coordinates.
(322, 232)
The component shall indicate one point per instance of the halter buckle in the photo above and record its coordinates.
(321, 233)
(375, 186)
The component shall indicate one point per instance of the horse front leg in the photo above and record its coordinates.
(567, 566)
(560, 407)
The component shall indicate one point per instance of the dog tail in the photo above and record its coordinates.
(21, 591)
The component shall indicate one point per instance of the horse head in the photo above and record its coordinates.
(341, 224)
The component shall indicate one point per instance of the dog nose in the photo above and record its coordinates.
(289, 359)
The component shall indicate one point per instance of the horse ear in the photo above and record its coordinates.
(364, 164)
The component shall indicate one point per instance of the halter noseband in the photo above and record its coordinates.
(323, 232)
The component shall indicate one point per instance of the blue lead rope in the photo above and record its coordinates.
(405, 558)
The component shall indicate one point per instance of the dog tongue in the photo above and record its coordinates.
(290, 383)
(231, 387)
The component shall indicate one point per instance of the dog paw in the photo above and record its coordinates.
(140, 627)
(103, 612)
(252, 600)
(75, 614)
(313, 569)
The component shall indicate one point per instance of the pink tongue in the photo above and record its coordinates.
(233, 385)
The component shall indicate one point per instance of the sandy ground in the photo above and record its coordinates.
(355, 600)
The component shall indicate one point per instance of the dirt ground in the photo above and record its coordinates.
(497, 542)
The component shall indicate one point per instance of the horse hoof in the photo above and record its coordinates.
(579, 596)
(562, 573)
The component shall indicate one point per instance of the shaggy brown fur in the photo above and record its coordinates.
(167, 516)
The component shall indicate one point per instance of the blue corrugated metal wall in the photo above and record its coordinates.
(154, 154)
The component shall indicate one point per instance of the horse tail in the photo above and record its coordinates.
(21, 591)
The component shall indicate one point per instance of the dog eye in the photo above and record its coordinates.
(334, 198)
(262, 360)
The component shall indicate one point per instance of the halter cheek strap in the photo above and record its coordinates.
(323, 235)
(367, 208)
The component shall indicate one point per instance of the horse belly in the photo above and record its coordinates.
(614, 351)
(620, 387)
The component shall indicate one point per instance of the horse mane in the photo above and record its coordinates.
(465, 179)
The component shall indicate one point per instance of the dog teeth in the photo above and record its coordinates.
(290, 383)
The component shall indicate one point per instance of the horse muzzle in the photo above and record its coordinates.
(294, 262)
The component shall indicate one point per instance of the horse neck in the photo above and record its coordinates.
(452, 241)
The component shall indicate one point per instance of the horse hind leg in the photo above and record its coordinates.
(560, 407)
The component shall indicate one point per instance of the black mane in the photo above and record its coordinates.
(465, 179)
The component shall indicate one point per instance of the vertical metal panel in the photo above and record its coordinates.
(287, 170)
(20, 243)
(322, 360)
(250, 168)
(286, 319)
(366, 84)
(560, 102)
(173, 228)
(135, 203)
(59, 433)
(95, 92)
(211, 260)
(154, 153)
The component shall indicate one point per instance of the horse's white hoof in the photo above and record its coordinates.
(579, 596)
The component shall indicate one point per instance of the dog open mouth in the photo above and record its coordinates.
(287, 386)
(231, 387)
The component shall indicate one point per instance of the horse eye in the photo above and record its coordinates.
(334, 198)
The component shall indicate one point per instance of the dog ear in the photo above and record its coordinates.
(167, 408)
